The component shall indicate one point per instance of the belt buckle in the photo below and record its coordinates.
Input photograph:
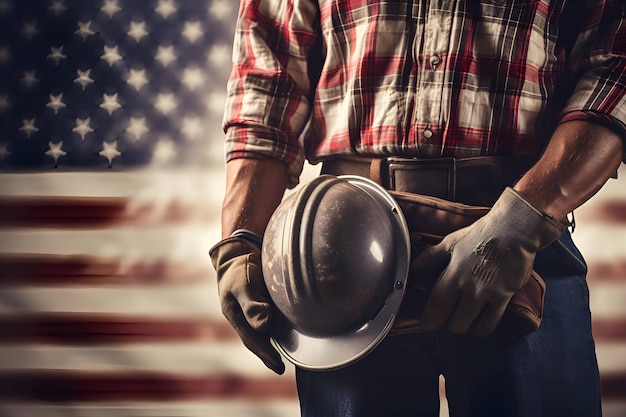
(445, 165)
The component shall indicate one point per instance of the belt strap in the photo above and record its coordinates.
(475, 181)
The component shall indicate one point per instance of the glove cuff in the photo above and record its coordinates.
(531, 222)
(229, 248)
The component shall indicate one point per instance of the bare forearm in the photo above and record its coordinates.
(579, 159)
(254, 188)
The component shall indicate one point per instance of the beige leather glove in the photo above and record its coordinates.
(481, 266)
(243, 296)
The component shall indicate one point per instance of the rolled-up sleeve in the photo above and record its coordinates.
(268, 92)
(599, 57)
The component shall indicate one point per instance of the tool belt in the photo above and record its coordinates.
(438, 197)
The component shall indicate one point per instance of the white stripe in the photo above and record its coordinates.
(611, 357)
(601, 242)
(607, 300)
(219, 408)
(199, 300)
(188, 242)
(193, 359)
(613, 408)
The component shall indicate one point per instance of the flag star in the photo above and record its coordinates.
(193, 31)
(192, 127)
(220, 55)
(4, 150)
(137, 127)
(82, 127)
(28, 127)
(29, 30)
(110, 7)
(166, 55)
(5, 54)
(29, 78)
(111, 55)
(109, 151)
(55, 151)
(165, 103)
(5, 6)
(164, 151)
(137, 78)
(221, 9)
(137, 30)
(4, 103)
(56, 102)
(56, 54)
(166, 8)
(57, 7)
(83, 78)
(110, 103)
(193, 78)
(84, 30)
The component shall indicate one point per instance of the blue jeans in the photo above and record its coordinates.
(552, 372)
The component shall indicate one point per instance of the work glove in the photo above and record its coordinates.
(244, 298)
(481, 266)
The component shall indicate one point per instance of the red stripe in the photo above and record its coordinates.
(614, 386)
(88, 329)
(75, 212)
(607, 211)
(46, 270)
(65, 386)
(606, 330)
(608, 271)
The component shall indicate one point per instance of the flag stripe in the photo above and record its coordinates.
(73, 212)
(45, 270)
(61, 386)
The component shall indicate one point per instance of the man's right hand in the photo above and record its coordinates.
(244, 298)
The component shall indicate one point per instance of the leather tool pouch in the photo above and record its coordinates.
(429, 220)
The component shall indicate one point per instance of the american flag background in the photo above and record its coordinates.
(111, 181)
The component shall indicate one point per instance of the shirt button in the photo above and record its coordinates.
(435, 60)
(427, 133)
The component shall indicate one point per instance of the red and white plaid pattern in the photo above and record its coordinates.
(427, 79)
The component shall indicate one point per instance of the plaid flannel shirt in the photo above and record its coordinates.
(319, 78)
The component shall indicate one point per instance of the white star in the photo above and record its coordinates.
(111, 55)
(4, 103)
(82, 127)
(56, 102)
(5, 6)
(111, 7)
(109, 150)
(29, 78)
(84, 30)
(4, 150)
(221, 9)
(165, 103)
(166, 55)
(29, 29)
(164, 151)
(5, 54)
(83, 78)
(137, 127)
(166, 8)
(193, 31)
(220, 55)
(110, 103)
(215, 102)
(137, 78)
(28, 127)
(55, 151)
(193, 78)
(192, 127)
(57, 7)
(137, 30)
(56, 54)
